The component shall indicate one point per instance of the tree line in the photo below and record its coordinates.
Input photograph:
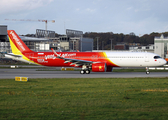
(104, 39)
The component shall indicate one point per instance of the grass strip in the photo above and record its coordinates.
(84, 98)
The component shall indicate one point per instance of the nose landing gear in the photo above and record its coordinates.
(147, 71)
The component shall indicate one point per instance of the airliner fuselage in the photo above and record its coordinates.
(95, 61)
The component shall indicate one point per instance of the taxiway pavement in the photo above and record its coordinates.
(33, 73)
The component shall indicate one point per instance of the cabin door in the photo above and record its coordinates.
(146, 58)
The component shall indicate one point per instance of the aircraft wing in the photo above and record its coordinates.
(75, 62)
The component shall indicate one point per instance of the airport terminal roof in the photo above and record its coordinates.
(33, 39)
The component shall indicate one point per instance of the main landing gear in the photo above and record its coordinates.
(85, 71)
(147, 71)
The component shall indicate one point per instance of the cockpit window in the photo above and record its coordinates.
(157, 57)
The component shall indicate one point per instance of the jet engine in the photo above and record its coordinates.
(99, 67)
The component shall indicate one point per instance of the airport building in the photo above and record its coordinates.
(45, 40)
(74, 41)
(161, 46)
(121, 46)
(4, 42)
(149, 48)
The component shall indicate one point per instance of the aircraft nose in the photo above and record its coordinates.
(164, 61)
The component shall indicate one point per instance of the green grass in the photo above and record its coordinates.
(85, 99)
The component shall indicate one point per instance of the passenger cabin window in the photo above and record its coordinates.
(157, 57)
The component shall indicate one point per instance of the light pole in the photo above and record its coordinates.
(97, 43)
(111, 43)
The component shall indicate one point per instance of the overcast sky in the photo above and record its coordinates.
(117, 16)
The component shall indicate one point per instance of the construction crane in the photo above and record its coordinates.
(46, 21)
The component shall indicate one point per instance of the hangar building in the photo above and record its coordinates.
(161, 46)
(72, 41)
(4, 42)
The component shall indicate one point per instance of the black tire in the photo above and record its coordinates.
(87, 71)
(82, 72)
(147, 72)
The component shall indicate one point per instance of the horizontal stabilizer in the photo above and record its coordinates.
(11, 54)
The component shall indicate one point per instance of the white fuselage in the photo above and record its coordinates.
(122, 59)
(135, 59)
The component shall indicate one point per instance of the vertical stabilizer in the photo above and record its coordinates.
(17, 45)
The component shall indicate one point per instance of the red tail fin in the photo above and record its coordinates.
(16, 43)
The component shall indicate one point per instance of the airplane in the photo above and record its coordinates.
(87, 61)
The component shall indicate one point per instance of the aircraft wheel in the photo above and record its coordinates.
(82, 72)
(87, 71)
(147, 72)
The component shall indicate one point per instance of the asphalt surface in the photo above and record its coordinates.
(33, 73)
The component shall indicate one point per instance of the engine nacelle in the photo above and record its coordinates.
(99, 67)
